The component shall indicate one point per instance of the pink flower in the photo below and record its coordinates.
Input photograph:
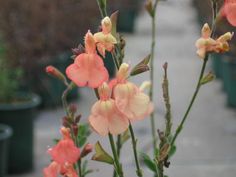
(129, 99)
(105, 117)
(229, 11)
(65, 151)
(105, 40)
(88, 68)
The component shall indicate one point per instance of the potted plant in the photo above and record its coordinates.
(40, 39)
(5, 134)
(17, 110)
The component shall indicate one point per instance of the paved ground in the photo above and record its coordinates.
(207, 146)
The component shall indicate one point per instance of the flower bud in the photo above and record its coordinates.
(86, 150)
(106, 25)
(72, 108)
(149, 7)
(51, 70)
(89, 41)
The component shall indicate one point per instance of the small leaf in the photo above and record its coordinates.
(141, 67)
(207, 78)
(113, 18)
(125, 136)
(148, 162)
(172, 151)
(83, 133)
(101, 155)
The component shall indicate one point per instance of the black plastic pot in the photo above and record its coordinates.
(20, 117)
(5, 134)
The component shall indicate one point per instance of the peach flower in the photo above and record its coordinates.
(229, 11)
(88, 68)
(65, 151)
(207, 44)
(129, 99)
(105, 40)
(105, 117)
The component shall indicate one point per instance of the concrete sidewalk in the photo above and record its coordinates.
(206, 147)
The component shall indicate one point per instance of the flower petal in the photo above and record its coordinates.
(97, 120)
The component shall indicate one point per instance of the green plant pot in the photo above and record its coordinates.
(49, 88)
(217, 64)
(229, 80)
(20, 117)
(126, 20)
(5, 134)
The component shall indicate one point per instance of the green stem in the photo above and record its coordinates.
(80, 169)
(152, 120)
(64, 97)
(134, 143)
(178, 130)
(117, 164)
(102, 8)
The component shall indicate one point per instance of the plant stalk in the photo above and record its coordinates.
(152, 120)
(117, 164)
(134, 144)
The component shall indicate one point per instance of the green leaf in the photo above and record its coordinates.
(83, 133)
(172, 151)
(148, 162)
(101, 155)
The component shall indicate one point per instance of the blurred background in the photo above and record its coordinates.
(37, 33)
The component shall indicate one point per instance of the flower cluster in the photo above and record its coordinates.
(207, 44)
(64, 155)
(119, 103)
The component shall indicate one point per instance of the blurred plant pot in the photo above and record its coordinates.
(50, 89)
(126, 20)
(19, 116)
(5, 134)
(217, 64)
(128, 11)
(229, 79)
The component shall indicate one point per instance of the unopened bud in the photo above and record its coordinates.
(72, 108)
(123, 72)
(75, 129)
(149, 7)
(51, 70)
(77, 118)
(86, 150)
(208, 78)
(65, 122)
(106, 25)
